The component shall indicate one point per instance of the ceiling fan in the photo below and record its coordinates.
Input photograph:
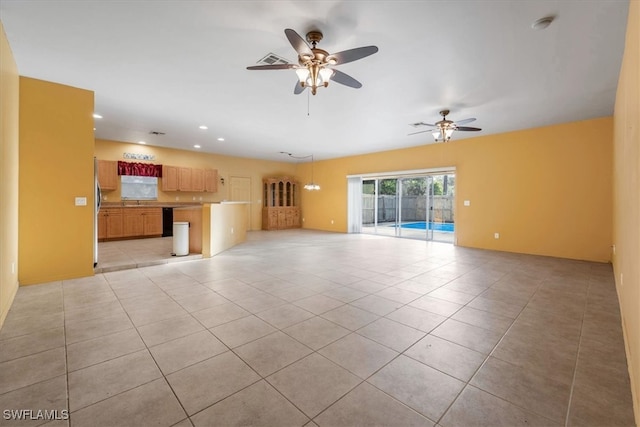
(443, 129)
(314, 68)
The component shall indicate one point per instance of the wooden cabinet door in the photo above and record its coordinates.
(211, 180)
(197, 180)
(290, 219)
(184, 179)
(108, 175)
(102, 225)
(169, 178)
(114, 223)
(296, 217)
(152, 221)
(282, 218)
(132, 222)
(273, 219)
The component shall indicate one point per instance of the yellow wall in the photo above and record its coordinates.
(227, 167)
(626, 200)
(547, 191)
(9, 102)
(56, 166)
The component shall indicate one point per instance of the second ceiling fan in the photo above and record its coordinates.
(443, 129)
(315, 65)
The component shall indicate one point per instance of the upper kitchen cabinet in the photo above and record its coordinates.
(108, 175)
(211, 180)
(169, 178)
(184, 179)
(178, 178)
(197, 180)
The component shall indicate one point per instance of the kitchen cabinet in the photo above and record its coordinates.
(152, 222)
(102, 226)
(177, 178)
(211, 180)
(110, 225)
(197, 180)
(280, 209)
(108, 175)
(184, 179)
(142, 222)
(129, 222)
(132, 222)
(169, 178)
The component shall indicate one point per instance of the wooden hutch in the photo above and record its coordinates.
(280, 209)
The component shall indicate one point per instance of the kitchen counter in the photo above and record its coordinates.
(133, 204)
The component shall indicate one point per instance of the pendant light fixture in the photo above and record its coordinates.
(311, 186)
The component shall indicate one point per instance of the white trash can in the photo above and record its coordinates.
(180, 238)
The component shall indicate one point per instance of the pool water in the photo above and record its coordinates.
(435, 226)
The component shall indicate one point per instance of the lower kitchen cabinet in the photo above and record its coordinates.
(118, 223)
(110, 224)
(132, 222)
(152, 222)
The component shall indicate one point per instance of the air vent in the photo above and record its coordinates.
(273, 59)
(155, 132)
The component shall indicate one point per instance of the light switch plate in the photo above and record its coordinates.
(81, 201)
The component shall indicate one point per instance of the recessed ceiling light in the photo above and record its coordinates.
(220, 139)
(97, 116)
(542, 23)
(141, 142)
(203, 127)
(196, 146)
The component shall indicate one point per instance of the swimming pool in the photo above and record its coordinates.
(447, 227)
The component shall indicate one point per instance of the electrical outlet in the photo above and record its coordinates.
(13, 268)
(467, 202)
(331, 221)
(231, 230)
(496, 235)
(613, 247)
(81, 201)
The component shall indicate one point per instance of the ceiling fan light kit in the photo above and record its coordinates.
(443, 130)
(313, 68)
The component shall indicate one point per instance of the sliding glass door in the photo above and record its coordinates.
(417, 207)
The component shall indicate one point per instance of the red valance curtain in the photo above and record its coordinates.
(139, 169)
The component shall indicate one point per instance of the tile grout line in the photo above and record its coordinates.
(468, 382)
(575, 367)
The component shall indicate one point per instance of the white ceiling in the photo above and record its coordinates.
(171, 66)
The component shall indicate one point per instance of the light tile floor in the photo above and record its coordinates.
(310, 328)
(126, 254)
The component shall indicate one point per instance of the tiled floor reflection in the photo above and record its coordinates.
(301, 327)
